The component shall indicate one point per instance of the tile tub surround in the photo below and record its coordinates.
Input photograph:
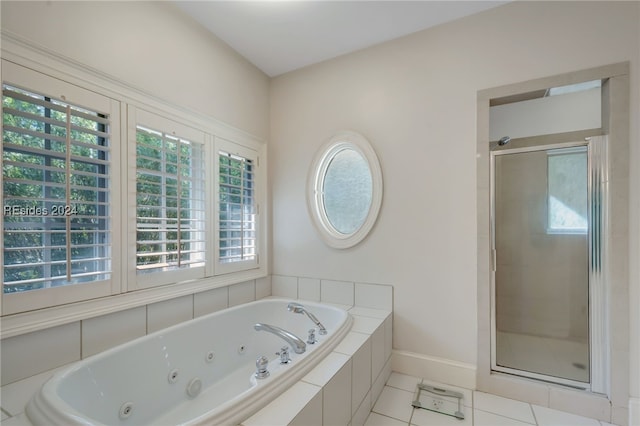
(88, 337)
(348, 293)
(30, 354)
(342, 388)
(29, 360)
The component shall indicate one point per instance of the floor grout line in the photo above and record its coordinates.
(402, 389)
(508, 417)
(473, 407)
(389, 417)
(535, 419)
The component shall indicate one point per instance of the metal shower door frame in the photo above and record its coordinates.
(598, 232)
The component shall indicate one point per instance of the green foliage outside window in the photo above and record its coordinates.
(40, 210)
(237, 232)
(169, 200)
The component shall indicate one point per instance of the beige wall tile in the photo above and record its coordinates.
(263, 287)
(361, 375)
(309, 289)
(242, 293)
(210, 301)
(107, 331)
(169, 312)
(336, 398)
(283, 286)
(29, 354)
(374, 296)
(341, 292)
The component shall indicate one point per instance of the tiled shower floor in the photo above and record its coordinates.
(554, 357)
(393, 408)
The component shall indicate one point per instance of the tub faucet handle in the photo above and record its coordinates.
(284, 355)
(312, 336)
(261, 367)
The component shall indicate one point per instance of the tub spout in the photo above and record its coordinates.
(296, 343)
(299, 309)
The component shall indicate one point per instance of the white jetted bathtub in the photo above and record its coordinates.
(198, 372)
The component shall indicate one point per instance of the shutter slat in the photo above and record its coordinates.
(40, 101)
(52, 154)
(35, 117)
(33, 133)
(83, 144)
(52, 169)
(12, 93)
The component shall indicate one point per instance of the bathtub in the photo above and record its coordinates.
(197, 372)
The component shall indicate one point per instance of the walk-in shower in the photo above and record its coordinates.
(548, 211)
(553, 242)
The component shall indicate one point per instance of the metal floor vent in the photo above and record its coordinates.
(439, 400)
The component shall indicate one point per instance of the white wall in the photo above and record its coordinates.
(415, 100)
(152, 46)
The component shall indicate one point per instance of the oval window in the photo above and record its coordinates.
(345, 189)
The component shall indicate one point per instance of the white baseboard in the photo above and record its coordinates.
(433, 368)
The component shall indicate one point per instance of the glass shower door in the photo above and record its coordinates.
(541, 263)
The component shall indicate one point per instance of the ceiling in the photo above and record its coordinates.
(281, 36)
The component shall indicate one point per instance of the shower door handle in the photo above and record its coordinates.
(494, 262)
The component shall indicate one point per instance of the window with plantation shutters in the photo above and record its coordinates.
(105, 193)
(238, 208)
(170, 200)
(56, 196)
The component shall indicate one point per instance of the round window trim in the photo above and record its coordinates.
(315, 185)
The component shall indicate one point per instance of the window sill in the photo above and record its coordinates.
(27, 322)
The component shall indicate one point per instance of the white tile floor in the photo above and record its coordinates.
(393, 407)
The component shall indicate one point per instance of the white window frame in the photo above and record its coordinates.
(119, 294)
(140, 117)
(33, 81)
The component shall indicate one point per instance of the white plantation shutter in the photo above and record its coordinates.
(237, 226)
(101, 193)
(56, 195)
(170, 202)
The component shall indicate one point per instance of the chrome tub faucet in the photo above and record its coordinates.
(297, 344)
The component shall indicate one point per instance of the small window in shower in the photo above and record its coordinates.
(572, 88)
(567, 191)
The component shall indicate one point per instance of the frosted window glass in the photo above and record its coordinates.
(347, 191)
